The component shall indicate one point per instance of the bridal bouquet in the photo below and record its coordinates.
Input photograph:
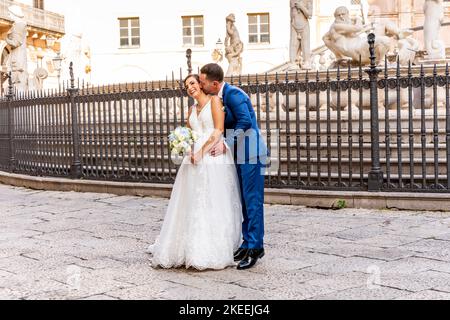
(181, 141)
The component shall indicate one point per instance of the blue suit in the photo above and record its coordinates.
(243, 137)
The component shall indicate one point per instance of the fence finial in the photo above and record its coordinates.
(371, 39)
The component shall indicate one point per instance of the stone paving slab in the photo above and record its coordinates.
(362, 293)
(67, 245)
(426, 295)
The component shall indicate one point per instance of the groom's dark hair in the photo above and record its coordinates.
(213, 72)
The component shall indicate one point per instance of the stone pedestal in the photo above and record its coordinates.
(434, 62)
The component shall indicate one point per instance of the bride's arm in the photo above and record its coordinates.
(219, 126)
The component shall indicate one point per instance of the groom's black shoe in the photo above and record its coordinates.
(250, 259)
(240, 254)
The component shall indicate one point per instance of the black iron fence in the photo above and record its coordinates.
(354, 129)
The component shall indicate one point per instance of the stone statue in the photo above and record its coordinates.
(233, 47)
(36, 81)
(401, 40)
(364, 5)
(407, 50)
(76, 49)
(345, 41)
(434, 16)
(17, 40)
(300, 47)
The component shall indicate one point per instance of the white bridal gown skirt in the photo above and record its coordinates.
(203, 222)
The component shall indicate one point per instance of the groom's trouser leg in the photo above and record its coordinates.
(253, 194)
(244, 211)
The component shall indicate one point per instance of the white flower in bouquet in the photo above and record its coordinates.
(181, 141)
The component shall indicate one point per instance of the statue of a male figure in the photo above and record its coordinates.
(344, 39)
(434, 16)
(17, 40)
(300, 48)
(233, 47)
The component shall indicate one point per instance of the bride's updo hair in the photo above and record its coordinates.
(195, 76)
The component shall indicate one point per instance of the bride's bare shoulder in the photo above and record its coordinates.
(215, 100)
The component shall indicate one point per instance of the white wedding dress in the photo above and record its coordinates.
(203, 222)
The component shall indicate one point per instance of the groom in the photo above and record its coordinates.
(244, 139)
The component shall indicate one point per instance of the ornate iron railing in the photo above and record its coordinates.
(354, 129)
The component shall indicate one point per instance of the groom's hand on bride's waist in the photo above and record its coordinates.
(218, 149)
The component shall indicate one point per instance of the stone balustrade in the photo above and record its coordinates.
(36, 18)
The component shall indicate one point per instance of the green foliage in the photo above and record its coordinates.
(340, 204)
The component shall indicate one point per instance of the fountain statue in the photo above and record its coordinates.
(300, 50)
(401, 40)
(347, 39)
(434, 17)
(233, 47)
(16, 38)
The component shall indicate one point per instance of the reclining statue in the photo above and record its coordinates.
(345, 41)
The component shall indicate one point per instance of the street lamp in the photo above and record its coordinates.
(57, 65)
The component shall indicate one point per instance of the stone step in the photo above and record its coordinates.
(284, 164)
(283, 174)
(274, 121)
(334, 149)
(313, 135)
(286, 177)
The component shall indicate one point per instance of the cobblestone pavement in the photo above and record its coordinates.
(56, 245)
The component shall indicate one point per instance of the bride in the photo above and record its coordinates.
(202, 226)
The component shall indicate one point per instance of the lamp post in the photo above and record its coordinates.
(57, 65)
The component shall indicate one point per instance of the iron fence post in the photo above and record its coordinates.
(9, 99)
(75, 168)
(375, 178)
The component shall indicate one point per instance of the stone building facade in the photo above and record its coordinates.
(45, 28)
(115, 41)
